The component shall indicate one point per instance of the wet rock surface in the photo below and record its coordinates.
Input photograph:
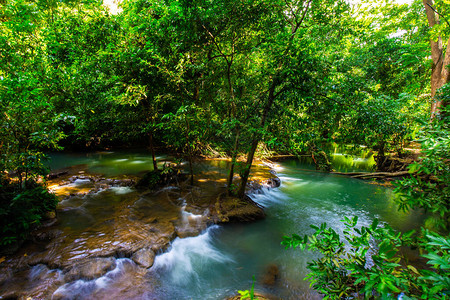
(102, 219)
(144, 257)
(233, 209)
(90, 268)
(185, 232)
(256, 186)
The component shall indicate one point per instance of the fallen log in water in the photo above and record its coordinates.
(372, 175)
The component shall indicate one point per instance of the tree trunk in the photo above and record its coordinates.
(191, 169)
(276, 81)
(380, 158)
(186, 134)
(440, 73)
(233, 163)
(248, 165)
(152, 150)
(376, 175)
(257, 138)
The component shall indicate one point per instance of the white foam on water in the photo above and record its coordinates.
(190, 215)
(77, 183)
(187, 218)
(81, 289)
(277, 168)
(287, 178)
(36, 271)
(80, 181)
(274, 166)
(121, 160)
(360, 159)
(121, 190)
(187, 215)
(339, 154)
(189, 256)
(138, 162)
(41, 272)
(266, 197)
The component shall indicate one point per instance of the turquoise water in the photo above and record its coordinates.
(108, 163)
(224, 259)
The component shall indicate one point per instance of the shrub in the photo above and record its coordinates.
(22, 209)
(368, 263)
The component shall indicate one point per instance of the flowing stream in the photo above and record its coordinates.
(222, 259)
(225, 258)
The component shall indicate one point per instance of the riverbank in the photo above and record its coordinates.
(101, 220)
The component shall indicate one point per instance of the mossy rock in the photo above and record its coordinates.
(150, 180)
(236, 210)
(159, 178)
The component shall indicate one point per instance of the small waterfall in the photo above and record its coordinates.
(190, 256)
(267, 197)
(81, 289)
(213, 265)
(188, 218)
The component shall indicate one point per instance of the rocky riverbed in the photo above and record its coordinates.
(101, 220)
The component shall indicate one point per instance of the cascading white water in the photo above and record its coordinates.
(190, 256)
(222, 260)
(82, 288)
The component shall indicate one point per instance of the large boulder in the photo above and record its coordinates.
(159, 178)
(144, 257)
(233, 209)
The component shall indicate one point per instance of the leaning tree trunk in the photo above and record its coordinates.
(440, 74)
(299, 17)
(256, 139)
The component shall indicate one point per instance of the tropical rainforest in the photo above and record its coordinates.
(241, 79)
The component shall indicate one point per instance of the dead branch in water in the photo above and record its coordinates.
(373, 175)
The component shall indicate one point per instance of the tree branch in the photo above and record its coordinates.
(301, 20)
(215, 43)
(334, 100)
(438, 13)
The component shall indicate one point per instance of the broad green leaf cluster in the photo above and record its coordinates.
(368, 261)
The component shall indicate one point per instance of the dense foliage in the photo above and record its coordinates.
(369, 261)
(428, 186)
(21, 210)
(226, 77)
(201, 76)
